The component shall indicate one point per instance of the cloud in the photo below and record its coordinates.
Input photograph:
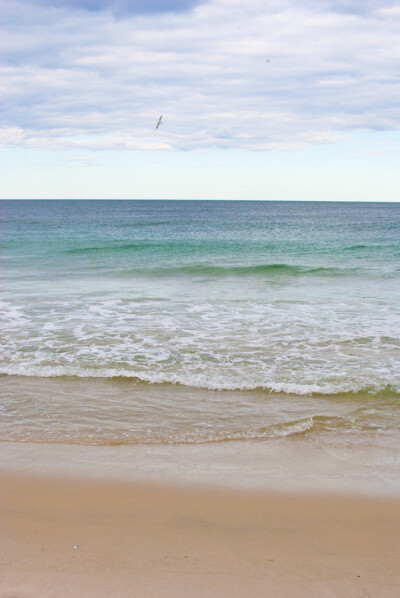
(260, 75)
(120, 7)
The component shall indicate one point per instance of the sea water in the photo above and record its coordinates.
(190, 322)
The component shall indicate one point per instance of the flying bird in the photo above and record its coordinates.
(159, 122)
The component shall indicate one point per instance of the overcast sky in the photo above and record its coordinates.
(261, 99)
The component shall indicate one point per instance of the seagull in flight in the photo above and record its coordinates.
(159, 122)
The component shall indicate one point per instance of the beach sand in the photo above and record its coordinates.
(148, 540)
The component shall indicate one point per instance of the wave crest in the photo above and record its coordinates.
(269, 387)
(271, 270)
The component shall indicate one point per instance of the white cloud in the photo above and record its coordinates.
(260, 75)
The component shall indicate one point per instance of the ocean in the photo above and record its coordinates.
(192, 322)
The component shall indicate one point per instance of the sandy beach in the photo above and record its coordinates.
(70, 537)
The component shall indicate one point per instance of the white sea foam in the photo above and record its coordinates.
(219, 345)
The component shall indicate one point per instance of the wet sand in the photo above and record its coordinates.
(149, 540)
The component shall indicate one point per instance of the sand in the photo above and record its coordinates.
(62, 538)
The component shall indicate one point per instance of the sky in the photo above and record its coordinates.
(260, 99)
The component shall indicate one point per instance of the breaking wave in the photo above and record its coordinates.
(271, 387)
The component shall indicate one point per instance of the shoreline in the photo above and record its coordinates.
(280, 465)
(171, 540)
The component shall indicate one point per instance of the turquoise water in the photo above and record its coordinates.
(170, 321)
